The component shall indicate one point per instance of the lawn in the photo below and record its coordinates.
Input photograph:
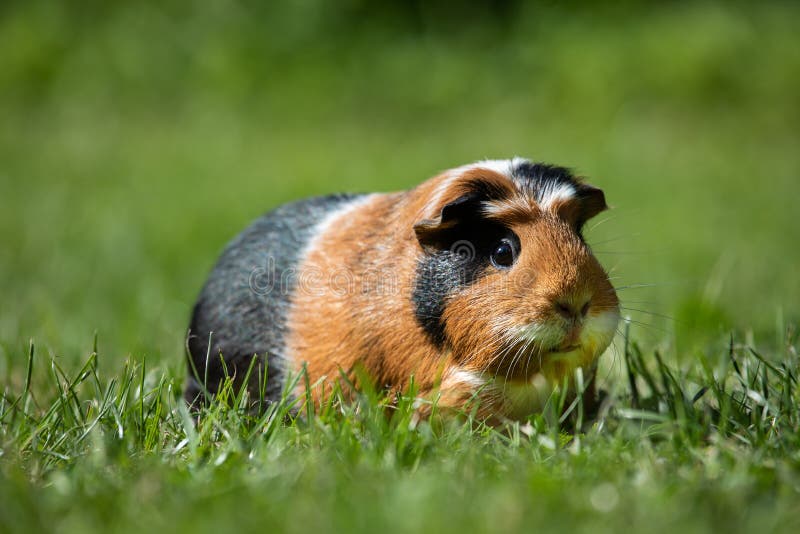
(136, 140)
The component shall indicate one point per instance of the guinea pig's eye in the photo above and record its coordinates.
(503, 254)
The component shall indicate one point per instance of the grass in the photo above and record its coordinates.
(707, 447)
(136, 140)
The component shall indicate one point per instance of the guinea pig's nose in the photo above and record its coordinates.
(570, 310)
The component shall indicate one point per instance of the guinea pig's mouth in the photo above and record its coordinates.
(548, 349)
(527, 359)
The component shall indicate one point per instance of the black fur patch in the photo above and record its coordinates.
(532, 177)
(461, 260)
(438, 275)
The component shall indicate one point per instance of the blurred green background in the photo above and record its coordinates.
(137, 138)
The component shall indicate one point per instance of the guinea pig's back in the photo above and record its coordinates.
(243, 306)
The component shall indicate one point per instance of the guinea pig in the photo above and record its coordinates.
(477, 283)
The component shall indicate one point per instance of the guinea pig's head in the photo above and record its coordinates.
(506, 281)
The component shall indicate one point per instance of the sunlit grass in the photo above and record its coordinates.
(707, 446)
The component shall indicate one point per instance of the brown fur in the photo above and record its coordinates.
(363, 267)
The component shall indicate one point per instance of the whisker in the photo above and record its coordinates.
(612, 239)
(524, 351)
(636, 286)
(623, 252)
(527, 364)
(603, 221)
(646, 325)
(654, 314)
(638, 302)
(615, 358)
(516, 355)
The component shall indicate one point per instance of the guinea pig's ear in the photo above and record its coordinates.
(588, 202)
(458, 204)
(432, 233)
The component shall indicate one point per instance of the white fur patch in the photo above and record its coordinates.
(462, 376)
(328, 221)
(442, 188)
(500, 166)
(554, 192)
(493, 208)
(542, 334)
(597, 332)
(600, 328)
